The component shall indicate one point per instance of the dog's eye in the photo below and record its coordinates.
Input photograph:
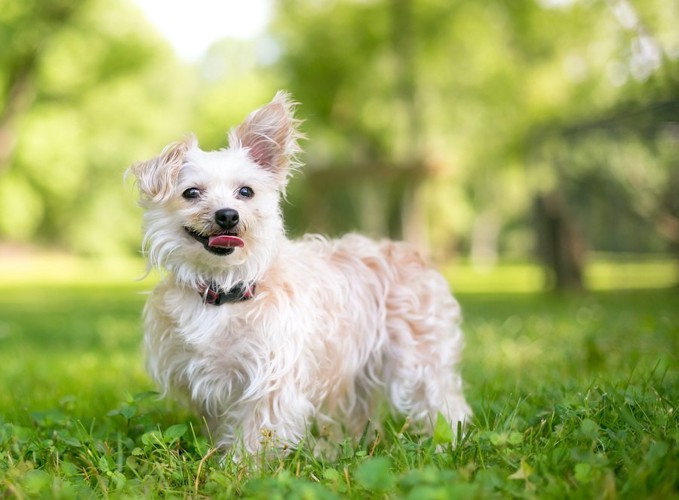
(191, 194)
(246, 192)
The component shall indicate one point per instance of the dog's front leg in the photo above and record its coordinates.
(277, 421)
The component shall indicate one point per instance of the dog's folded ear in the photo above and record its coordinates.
(156, 177)
(270, 135)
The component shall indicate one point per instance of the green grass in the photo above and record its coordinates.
(603, 272)
(574, 396)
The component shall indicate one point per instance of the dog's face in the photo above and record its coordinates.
(217, 212)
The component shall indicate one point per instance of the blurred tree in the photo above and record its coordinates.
(482, 80)
(481, 126)
(25, 29)
(368, 161)
(613, 168)
(85, 91)
(621, 169)
(234, 77)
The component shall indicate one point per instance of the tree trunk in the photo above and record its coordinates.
(560, 244)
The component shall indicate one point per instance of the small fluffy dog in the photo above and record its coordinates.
(264, 336)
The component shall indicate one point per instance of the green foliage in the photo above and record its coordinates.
(443, 432)
(481, 99)
(573, 397)
(485, 83)
(85, 94)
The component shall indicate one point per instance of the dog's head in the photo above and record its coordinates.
(217, 213)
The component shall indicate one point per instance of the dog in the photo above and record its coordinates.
(265, 337)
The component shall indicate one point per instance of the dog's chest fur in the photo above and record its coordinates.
(251, 347)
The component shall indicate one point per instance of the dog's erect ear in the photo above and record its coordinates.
(156, 177)
(270, 135)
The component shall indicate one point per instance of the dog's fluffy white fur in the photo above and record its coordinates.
(334, 326)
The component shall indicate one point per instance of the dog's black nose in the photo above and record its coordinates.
(227, 218)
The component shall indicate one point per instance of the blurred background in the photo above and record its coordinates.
(524, 145)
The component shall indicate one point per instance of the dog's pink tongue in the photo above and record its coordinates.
(225, 241)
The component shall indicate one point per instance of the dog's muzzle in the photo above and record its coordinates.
(222, 242)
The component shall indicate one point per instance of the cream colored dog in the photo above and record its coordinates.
(263, 336)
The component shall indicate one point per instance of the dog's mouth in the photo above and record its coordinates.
(219, 244)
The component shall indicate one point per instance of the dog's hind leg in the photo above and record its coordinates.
(421, 376)
(421, 379)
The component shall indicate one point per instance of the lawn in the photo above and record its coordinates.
(574, 396)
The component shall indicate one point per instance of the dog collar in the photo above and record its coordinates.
(214, 295)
